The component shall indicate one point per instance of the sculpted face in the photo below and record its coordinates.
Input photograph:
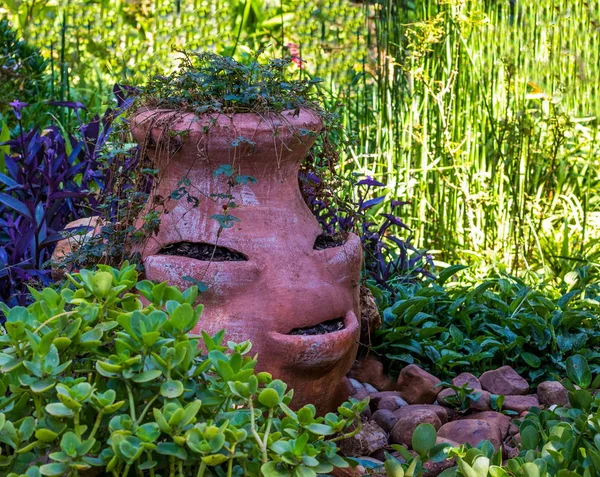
(267, 282)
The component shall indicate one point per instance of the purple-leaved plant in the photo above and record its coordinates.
(387, 255)
(50, 180)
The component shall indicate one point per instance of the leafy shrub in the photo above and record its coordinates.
(501, 321)
(92, 377)
(52, 178)
(22, 69)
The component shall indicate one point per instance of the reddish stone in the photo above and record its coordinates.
(482, 403)
(417, 386)
(408, 421)
(520, 404)
(444, 440)
(550, 393)
(385, 419)
(502, 421)
(390, 400)
(285, 284)
(67, 245)
(467, 378)
(444, 394)
(433, 469)
(441, 412)
(370, 370)
(471, 431)
(504, 380)
(370, 438)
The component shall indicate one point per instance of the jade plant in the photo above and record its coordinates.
(102, 377)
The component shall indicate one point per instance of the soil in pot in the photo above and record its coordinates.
(330, 326)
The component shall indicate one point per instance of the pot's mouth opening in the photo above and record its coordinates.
(327, 240)
(203, 251)
(323, 328)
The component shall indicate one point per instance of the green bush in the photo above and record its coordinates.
(456, 327)
(23, 70)
(92, 377)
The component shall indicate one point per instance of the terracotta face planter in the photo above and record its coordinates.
(267, 281)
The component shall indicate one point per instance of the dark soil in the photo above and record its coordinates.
(203, 251)
(325, 240)
(330, 326)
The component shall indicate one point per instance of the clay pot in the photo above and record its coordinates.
(279, 284)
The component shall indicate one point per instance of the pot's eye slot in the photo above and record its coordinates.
(326, 240)
(329, 326)
(207, 252)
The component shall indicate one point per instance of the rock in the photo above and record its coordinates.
(370, 319)
(370, 438)
(366, 414)
(370, 388)
(390, 400)
(355, 386)
(502, 421)
(392, 403)
(444, 394)
(348, 471)
(417, 386)
(509, 452)
(467, 378)
(520, 404)
(433, 469)
(552, 392)
(370, 370)
(444, 440)
(483, 403)
(407, 422)
(70, 244)
(361, 395)
(504, 380)
(512, 430)
(441, 412)
(472, 431)
(385, 419)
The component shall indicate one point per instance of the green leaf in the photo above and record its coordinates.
(58, 409)
(101, 283)
(45, 435)
(171, 389)
(393, 468)
(531, 359)
(529, 469)
(423, 439)
(54, 470)
(274, 469)
(169, 448)
(578, 371)
(269, 398)
(69, 444)
(320, 429)
(214, 459)
(147, 376)
(530, 438)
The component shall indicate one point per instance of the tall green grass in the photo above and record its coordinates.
(486, 118)
(96, 44)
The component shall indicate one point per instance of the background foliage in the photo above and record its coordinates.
(482, 114)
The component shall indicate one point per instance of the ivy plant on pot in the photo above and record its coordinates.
(227, 140)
